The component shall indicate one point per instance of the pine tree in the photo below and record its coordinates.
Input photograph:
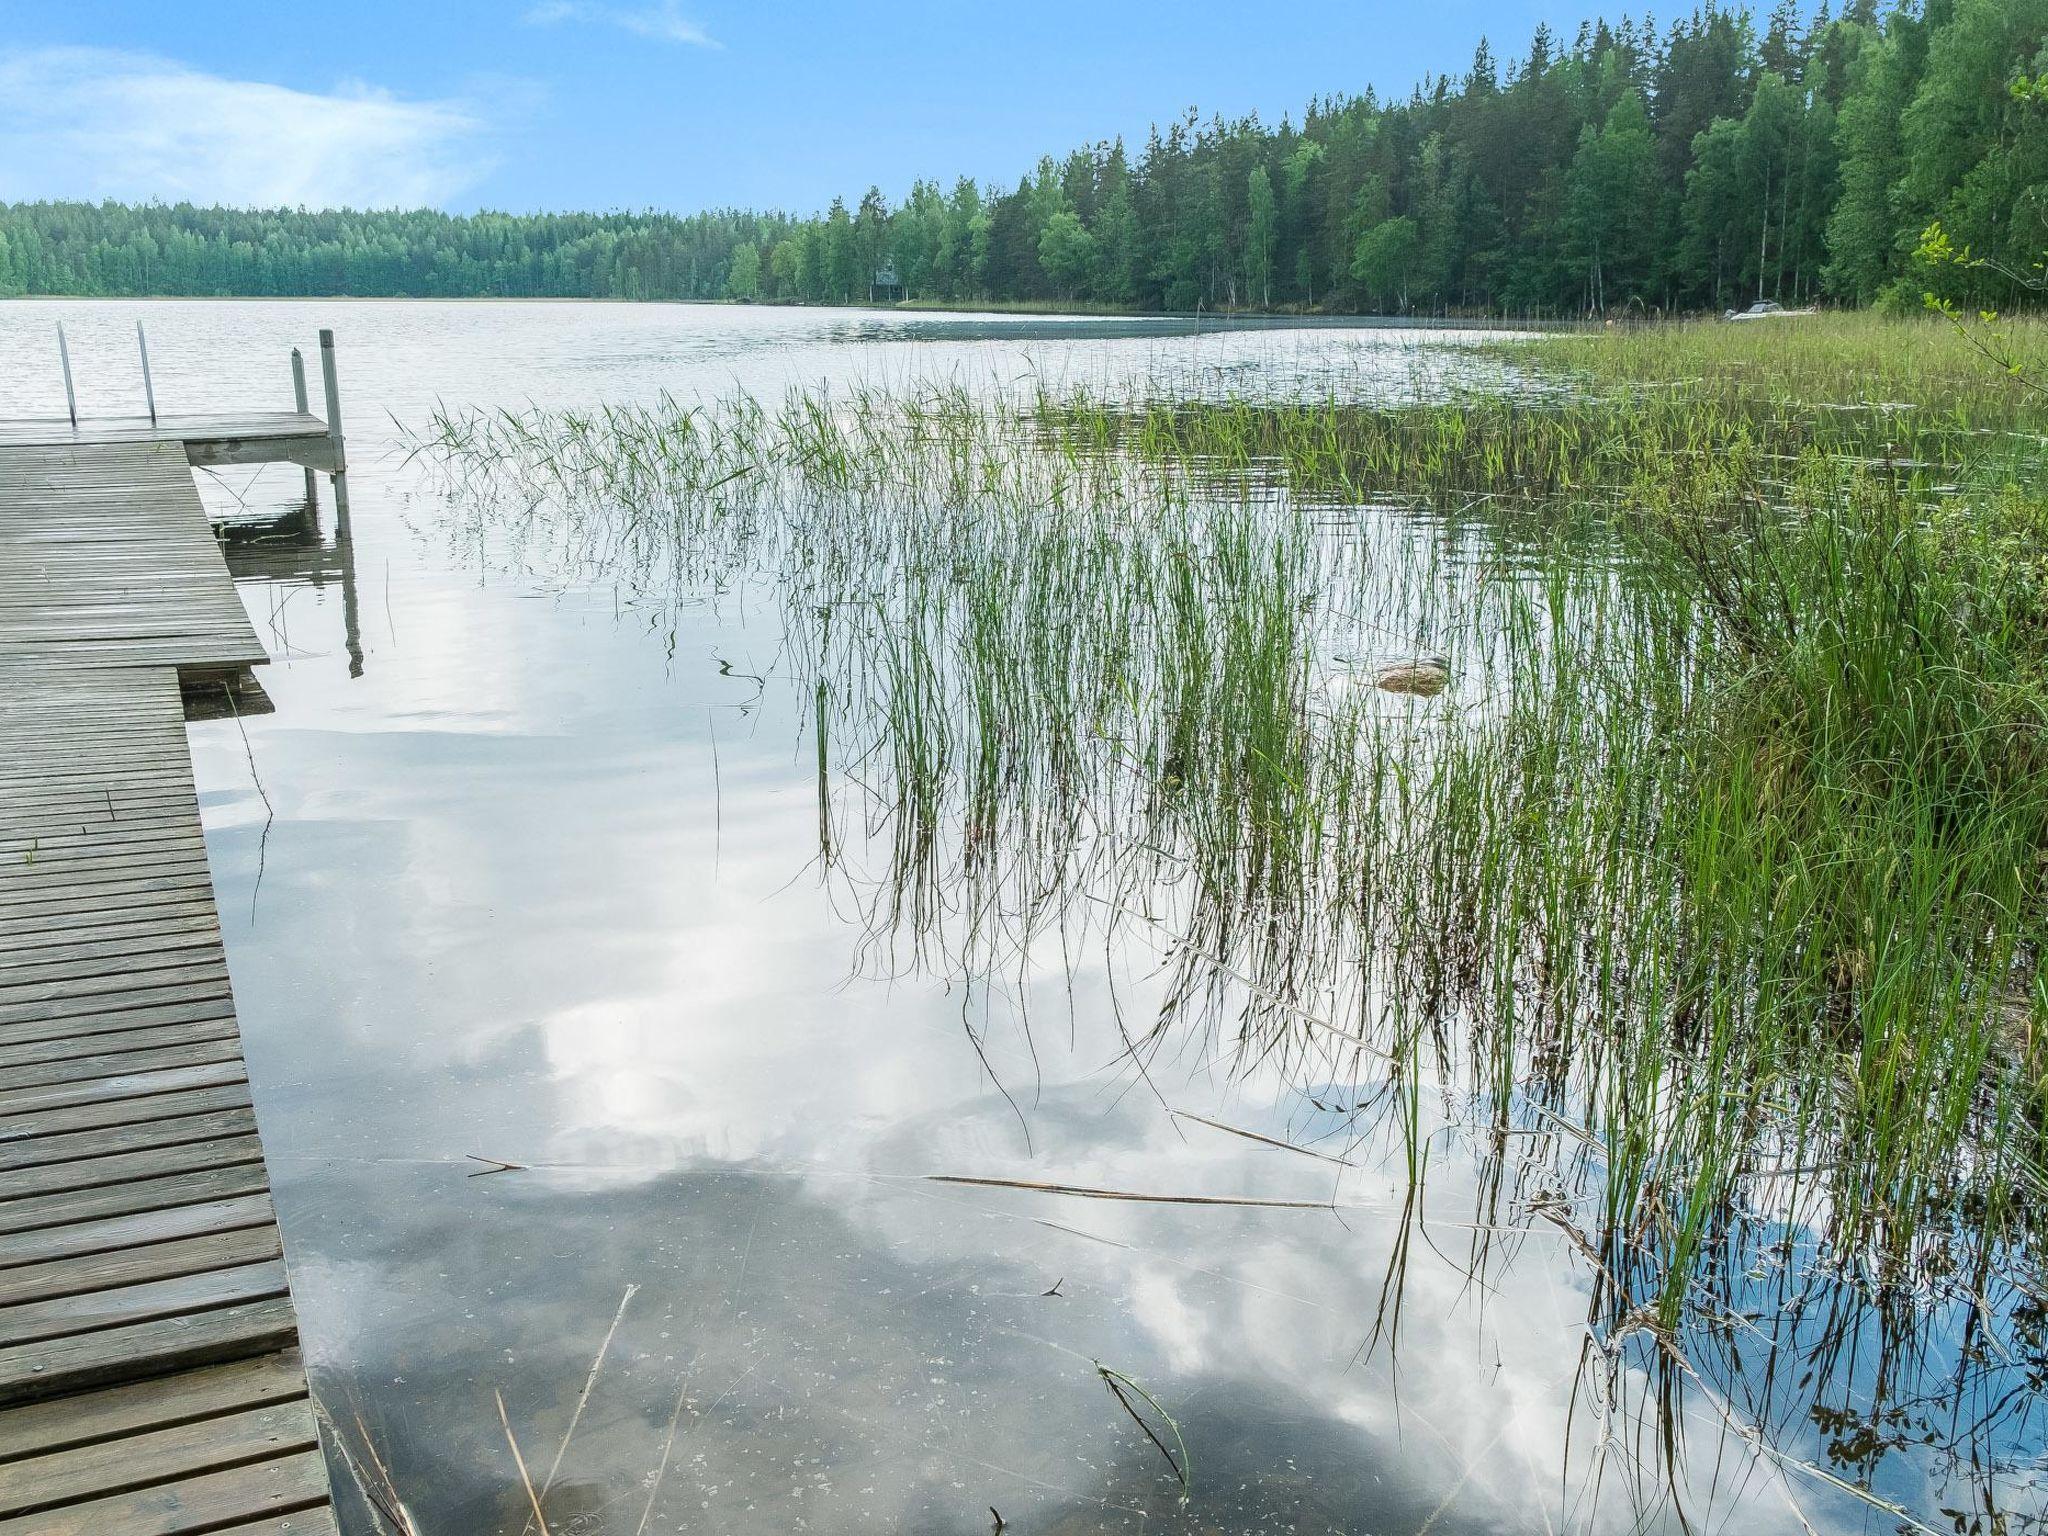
(1262, 237)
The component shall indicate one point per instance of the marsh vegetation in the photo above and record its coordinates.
(1703, 909)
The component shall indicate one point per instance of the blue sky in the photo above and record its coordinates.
(678, 104)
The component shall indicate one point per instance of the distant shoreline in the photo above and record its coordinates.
(1017, 309)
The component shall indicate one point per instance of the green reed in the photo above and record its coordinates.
(1712, 887)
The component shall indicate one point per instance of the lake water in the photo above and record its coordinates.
(513, 873)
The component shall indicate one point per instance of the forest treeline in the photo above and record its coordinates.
(1713, 162)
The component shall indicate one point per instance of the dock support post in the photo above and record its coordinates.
(351, 611)
(64, 357)
(148, 387)
(305, 409)
(339, 476)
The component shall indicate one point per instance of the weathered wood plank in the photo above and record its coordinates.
(77, 1361)
(304, 1522)
(121, 1022)
(32, 941)
(107, 904)
(214, 1501)
(20, 879)
(98, 962)
(128, 1231)
(158, 1456)
(161, 990)
(154, 804)
(26, 1134)
(66, 1209)
(111, 1413)
(115, 1089)
(106, 894)
(197, 1156)
(119, 432)
(234, 1118)
(219, 1047)
(24, 851)
(129, 1043)
(138, 1266)
(59, 1317)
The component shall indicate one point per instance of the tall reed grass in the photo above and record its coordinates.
(1709, 899)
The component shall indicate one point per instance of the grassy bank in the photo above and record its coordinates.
(1705, 904)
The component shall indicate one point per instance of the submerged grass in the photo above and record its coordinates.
(1709, 899)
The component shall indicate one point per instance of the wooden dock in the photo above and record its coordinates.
(242, 437)
(150, 1378)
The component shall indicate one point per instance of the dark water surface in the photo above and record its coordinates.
(515, 874)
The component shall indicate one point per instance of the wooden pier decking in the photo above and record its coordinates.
(150, 1379)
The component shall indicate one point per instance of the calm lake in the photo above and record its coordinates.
(525, 871)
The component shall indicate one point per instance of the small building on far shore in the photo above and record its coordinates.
(885, 287)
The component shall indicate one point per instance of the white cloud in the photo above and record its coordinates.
(99, 123)
(663, 22)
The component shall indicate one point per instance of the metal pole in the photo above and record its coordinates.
(312, 480)
(339, 474)
(148, 388)
(64, 356)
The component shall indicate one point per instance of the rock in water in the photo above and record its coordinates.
(1425, 676)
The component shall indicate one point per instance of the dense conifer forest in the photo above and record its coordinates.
(1703, 164)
